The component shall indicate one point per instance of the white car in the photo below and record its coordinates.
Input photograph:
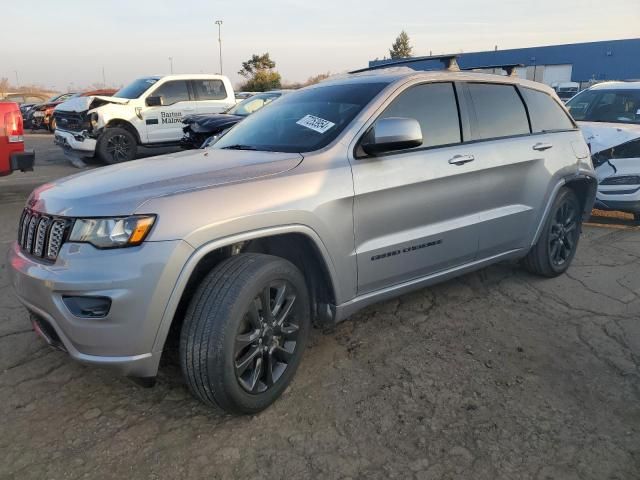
(609, 116)
(148, 112)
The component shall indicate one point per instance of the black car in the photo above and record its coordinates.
(200, 128)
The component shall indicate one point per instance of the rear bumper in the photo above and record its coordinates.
(22, 161)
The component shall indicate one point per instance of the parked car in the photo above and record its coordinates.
(35, 115)
(25, 98)
(12, 154)
(609, 117)
(336, 196)
(147, 112)
(566, 90)
(42, 114)
(199, 128)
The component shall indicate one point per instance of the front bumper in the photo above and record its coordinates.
(22, 161)
(622, 198)
(138, 280)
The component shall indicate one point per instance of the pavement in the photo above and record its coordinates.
(495, 375)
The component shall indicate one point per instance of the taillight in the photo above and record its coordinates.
(13, 126)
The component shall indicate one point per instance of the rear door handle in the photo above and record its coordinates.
(542, 146)
(461, 159)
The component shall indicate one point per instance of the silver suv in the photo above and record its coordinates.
(337, 196)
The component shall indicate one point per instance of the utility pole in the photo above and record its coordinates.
(219, 23)
(17, 81)
(104, 79)
(171, 64)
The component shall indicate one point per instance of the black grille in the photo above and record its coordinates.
(71, 121)
(42, 235)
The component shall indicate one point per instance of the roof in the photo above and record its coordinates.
(616, 86)
(397, 74)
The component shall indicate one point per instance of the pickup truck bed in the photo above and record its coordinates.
(12, 154)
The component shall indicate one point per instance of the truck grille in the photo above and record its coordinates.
(41, 235)
(71, 121)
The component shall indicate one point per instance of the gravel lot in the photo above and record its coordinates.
(498, 374)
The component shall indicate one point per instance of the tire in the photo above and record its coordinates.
(558, 242)
(116, 145)
(229, 343)
(52, 125)
(636, 217)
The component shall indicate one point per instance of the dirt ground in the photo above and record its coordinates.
(495, 375)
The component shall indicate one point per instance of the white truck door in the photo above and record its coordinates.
(212, 96)
(164, 122)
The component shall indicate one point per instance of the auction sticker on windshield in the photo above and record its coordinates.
(316, 124)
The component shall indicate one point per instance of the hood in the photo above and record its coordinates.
(121, 189)
(212, 123)
(82, 104)
(602, 136)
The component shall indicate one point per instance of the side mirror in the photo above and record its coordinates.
(154, 101)
(393, 133)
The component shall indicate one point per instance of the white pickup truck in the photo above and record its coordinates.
(147, 112)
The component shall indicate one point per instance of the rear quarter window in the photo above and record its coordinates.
(545, 113)
(210, 89)
(499, 111)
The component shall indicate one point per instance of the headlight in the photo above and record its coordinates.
(622, 180)
(112, 232)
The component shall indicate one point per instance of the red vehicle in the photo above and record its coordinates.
(12, 154)
(41, 116)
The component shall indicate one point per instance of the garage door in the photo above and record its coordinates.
(557, 74)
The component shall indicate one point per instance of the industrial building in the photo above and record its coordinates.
(583, 63)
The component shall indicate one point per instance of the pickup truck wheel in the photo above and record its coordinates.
(116, 145)
(244, 333)
(52, 125)
(557, 245)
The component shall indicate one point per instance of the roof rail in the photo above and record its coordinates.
(509, 68)
(450, 63)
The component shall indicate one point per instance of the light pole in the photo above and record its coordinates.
(17, 81)
(219, 23)
(171, 64)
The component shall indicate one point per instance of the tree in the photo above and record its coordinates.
(401, 48)
(255, 64)
(260, 74)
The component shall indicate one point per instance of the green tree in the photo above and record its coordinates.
(401, 48)
(260, 74)
(255, 64)
(262, 81)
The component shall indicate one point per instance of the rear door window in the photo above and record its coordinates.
(210, 89)
(545, 113)
(499, 111)
(434, 106)
(173, 92)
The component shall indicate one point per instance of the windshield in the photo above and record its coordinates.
(302, 121)
(252, 104)
(617, 106)
(135, 88)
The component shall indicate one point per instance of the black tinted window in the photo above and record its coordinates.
(545, 113)
(499, 111)
(172, 92)
(434, 107)
(210, 89)
(135, 88)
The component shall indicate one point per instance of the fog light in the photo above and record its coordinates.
(88, 307)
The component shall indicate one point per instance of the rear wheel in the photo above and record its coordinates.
(52, 124)
(556, 247)
(116, 145)
(244, 333)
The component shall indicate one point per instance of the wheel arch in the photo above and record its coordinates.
(585, 187)
(297, 243)
(119, 122)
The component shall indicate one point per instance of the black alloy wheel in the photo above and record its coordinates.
(564, 232)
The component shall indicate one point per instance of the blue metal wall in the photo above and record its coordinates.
(607, 60)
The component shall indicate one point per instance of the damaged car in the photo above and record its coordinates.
(609, 116)
(199, 129)
(148, 112)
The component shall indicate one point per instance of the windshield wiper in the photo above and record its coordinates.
(239, 147)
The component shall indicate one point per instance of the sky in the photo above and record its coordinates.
(66, 44)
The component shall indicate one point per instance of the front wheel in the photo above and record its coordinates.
(244, 333)
(558, 242)
(116, 145)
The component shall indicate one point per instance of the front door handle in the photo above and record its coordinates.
(542, 146)
(461, 159)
